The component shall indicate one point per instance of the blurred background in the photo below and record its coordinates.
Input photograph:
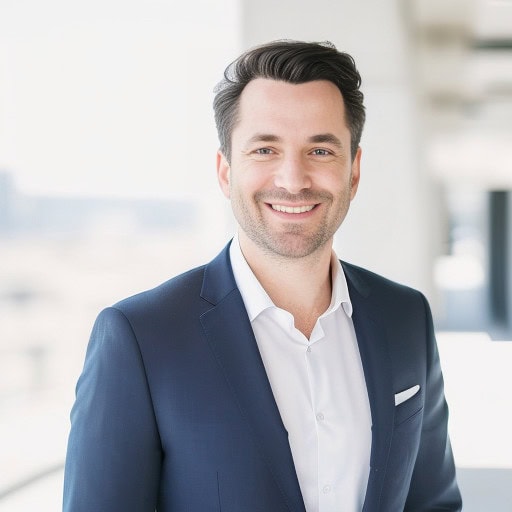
(108, 187)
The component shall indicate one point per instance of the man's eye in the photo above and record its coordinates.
(263, 151)
(320, 152)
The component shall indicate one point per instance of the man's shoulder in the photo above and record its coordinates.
(367, 282)
(179, 290)
(388, 299)
(189, 293)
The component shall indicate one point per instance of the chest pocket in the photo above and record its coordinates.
(409, 409)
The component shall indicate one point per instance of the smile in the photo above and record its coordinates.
(292, 209)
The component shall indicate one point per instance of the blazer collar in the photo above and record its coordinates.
(229, 333)
(373, 347)
(218, 281)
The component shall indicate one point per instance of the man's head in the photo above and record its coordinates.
(294, 62)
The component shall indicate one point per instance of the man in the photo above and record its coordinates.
(274, 378)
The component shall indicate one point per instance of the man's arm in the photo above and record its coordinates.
(114, 453)
(433, 485)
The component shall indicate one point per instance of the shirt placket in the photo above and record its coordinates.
(325, 478)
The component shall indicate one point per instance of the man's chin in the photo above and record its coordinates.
(291, 247)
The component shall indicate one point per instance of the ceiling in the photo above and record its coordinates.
(462, 50)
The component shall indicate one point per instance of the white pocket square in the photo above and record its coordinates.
(406, 394)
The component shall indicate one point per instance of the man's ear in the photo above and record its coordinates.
(223, 173)
(355, 173)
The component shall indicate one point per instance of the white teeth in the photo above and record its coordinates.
(292, 209)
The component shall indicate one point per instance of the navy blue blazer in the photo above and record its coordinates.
(174, 411)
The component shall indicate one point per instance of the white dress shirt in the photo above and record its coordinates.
(319, 388)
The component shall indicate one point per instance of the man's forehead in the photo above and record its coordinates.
(263, 85)
(273, 108)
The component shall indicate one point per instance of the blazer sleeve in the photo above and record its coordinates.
(114, 454)
(433, 485)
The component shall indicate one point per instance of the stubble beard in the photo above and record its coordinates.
(293, 241)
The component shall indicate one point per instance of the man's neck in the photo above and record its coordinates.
(301, 286)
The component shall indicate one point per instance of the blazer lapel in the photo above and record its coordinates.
(376, 363)
(231, 338)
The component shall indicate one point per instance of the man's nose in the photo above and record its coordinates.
(292, 174)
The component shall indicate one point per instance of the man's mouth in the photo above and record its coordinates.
(292, 209)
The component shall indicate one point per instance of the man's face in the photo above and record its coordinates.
(291, 176)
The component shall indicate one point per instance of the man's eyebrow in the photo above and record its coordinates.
(328, 138)
(264, 137)
(321, 138)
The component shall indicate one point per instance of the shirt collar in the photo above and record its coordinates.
(256, 299)
(340, 293)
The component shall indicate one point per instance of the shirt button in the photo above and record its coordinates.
(326, 489)
(308, 349)
(320, 416)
